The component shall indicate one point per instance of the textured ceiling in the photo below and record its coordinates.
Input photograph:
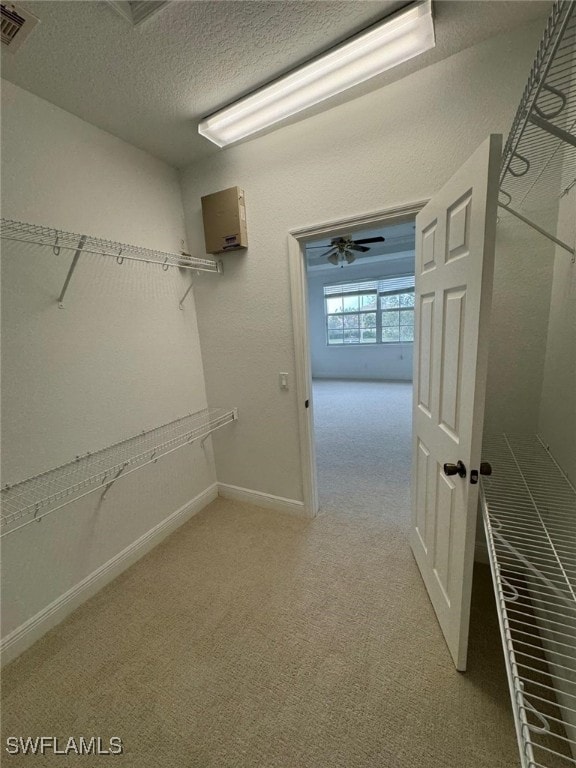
(150, 85)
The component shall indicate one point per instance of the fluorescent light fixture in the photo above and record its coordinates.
(381, 47)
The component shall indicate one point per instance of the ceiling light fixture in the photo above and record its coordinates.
(381, 47)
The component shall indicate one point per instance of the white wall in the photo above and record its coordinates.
(395, 146)
(392, 362)
(557, 417)
(118, 359)
(519, 327)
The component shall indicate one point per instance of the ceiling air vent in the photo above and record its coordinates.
(137, 11)
(16, 25)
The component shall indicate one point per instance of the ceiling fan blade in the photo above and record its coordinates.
(378, 239)
(322, 245)
(327, 254)
(356, 247)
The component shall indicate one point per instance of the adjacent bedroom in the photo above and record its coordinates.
(361, 333)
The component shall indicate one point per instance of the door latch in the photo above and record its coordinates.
(485, 469)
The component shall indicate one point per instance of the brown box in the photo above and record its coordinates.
(224, 218)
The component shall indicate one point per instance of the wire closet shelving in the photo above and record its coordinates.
(32, 499)
(56, 240)
(539, 159)
(529, 510)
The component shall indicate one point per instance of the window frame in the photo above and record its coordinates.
(351, 313)
(378, 310)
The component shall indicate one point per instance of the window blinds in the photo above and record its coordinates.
(397, 284)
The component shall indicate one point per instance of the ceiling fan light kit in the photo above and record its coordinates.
(381, 47)
(341, 249)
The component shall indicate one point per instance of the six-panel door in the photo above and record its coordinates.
(455, 236)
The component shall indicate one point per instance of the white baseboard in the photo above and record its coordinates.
(31, 630)
(266, 500)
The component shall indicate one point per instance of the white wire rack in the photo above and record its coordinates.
(539, 160)
(57, 239)
(529, 510)
(32, 499)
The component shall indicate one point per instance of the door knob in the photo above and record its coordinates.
(455, 469)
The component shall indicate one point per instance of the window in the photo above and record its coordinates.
(370, 311)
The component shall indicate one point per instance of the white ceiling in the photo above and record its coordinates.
(150, 85)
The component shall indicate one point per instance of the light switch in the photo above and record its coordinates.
(283, 381)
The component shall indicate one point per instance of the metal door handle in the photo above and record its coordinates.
(455, 469)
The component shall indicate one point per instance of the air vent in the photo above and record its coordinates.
(137, 11)
(16, 25)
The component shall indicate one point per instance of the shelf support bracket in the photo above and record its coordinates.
(538, 229)
(71, 271)
(220, 266)
(181, 305)
(111, 483)
(555, 130)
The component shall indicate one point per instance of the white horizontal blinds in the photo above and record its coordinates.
(385, 285)
(396, 284)
(370, 311)
(342, 289)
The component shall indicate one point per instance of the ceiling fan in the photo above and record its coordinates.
(341, 249)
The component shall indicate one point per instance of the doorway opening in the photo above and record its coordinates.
(354, 329)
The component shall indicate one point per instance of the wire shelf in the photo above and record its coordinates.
(539, 159)
(57, 239)
(32, 499)
(529, 510)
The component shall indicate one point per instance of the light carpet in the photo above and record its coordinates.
(252, 639)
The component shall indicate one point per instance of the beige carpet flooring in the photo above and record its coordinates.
(251, 639)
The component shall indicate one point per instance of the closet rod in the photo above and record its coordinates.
(537, 228)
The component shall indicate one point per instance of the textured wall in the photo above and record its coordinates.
(119, 358)
(519, 324)
(392, 362)
(557, 422)
(394, 146)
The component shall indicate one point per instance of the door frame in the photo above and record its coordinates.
(297, 240)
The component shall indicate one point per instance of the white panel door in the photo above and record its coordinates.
(455, 236)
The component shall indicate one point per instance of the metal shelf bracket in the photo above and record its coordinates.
(220, 266)
(555, 130)
(111, 483)
(537, 228)
(73, 266)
